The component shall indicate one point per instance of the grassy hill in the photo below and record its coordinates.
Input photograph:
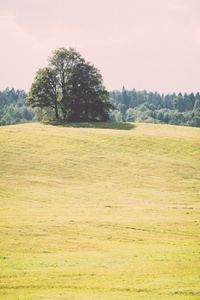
(99, 213)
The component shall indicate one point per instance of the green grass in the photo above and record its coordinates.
(101, 125)
(88, 212)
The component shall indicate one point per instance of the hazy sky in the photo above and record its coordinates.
(142, 44)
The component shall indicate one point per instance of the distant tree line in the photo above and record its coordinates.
(13, 108)
(141, 106)
(130, 106)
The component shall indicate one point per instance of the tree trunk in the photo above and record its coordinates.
(56, 109)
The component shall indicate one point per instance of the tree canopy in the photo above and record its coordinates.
(71, 87)
(141, 106)
(13, 108)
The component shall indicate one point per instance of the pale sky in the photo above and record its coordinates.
(151, 45)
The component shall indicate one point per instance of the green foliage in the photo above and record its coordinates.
(13, 108)
(72, 88)
(44, 90)
(89, 99)
(64, 62)
(133, 106)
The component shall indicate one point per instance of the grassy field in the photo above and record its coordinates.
(99, 212)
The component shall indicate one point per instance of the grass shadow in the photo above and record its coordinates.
(100, 125)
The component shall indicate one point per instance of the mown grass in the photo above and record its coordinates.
(95, 213)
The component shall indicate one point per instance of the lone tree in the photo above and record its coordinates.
(72, 88)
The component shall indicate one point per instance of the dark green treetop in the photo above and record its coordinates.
(44, 90)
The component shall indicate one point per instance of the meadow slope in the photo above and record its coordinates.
(92, 213)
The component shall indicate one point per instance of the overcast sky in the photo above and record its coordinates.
(151, 45)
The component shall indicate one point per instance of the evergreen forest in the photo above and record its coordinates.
(144, 107)
(13, 108)
(130, 106)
